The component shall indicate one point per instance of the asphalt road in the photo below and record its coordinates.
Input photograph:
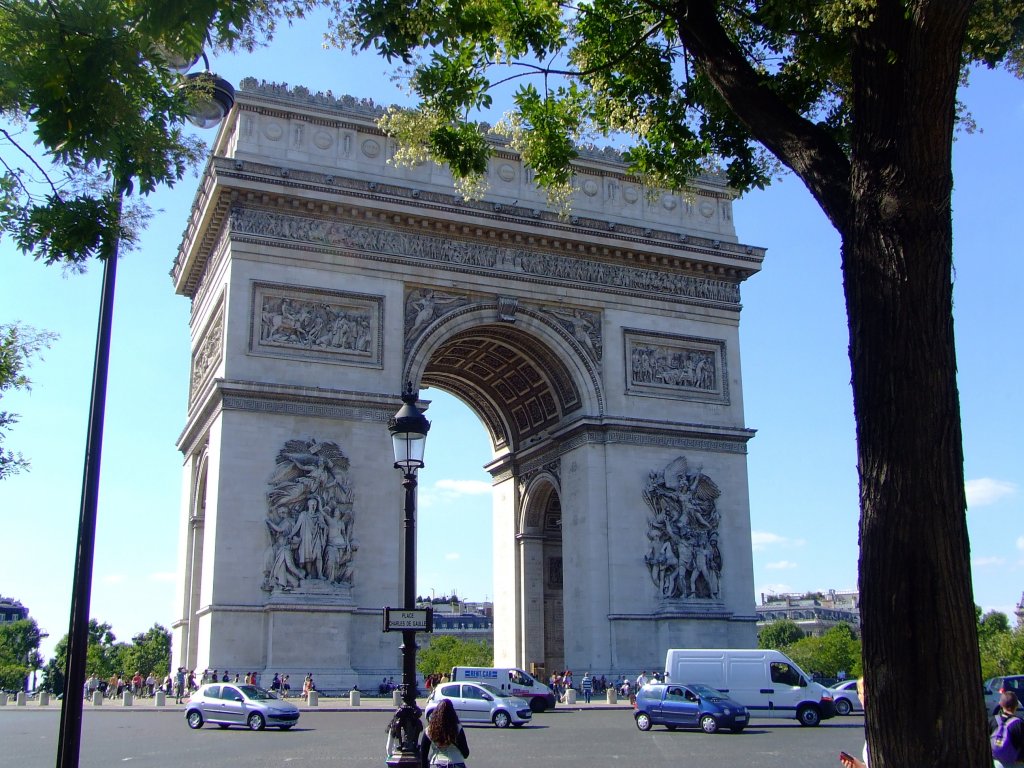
(150, 738)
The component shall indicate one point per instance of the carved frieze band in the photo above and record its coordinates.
(208, 352)
(315, 324)
(681, 367)
(479, 256)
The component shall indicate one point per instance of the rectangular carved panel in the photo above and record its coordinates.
(316, 324)
(681, 367)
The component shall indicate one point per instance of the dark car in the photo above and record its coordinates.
(677, 705)
(996, 685)
(232, 704)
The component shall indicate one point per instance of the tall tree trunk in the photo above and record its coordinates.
(920, 645)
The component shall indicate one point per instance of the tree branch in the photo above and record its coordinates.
(23, 151)
(799, 144)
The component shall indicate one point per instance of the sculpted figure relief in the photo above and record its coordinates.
(423, 306)
(682, 368)
(584, 326)
(682, 532)
(309, 519)
(295, 322)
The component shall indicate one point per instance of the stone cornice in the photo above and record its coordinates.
(364, 203)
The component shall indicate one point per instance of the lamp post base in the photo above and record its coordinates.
(403, 737)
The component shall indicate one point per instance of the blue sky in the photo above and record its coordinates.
(802, 463)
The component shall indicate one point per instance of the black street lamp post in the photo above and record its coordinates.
(69, 737)
(408, 430)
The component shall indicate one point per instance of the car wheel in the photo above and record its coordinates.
(256, 722)
(195, 719)
(537, 704)
(643, 721)
(843, 707)
(708, 724)
(808, 715)
(502, 719)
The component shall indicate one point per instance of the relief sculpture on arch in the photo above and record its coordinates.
(310, 521)
(683, 557)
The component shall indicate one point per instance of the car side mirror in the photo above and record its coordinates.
(238, 697)
(488, 697)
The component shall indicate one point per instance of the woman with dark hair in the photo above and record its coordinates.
(443, 742)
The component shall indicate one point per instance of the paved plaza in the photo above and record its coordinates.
(144, 736)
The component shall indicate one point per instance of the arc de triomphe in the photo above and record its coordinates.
(600, 351)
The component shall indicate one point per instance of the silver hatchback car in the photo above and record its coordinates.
(233, 704)
(481, 703)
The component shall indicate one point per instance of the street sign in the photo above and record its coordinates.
(400, 620)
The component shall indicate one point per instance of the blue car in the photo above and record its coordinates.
(676, 705)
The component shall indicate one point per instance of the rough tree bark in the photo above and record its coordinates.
(891, 205)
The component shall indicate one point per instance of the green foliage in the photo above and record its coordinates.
(12, 676)
(148, 652)
(779, 634)
(19, 646)
(92, 82)
(447, 651)
(103, 652)
(834, 652)
(620, 68)
(1002, 648)
(18, 343)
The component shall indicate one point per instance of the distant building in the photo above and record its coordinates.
(11, 610)
(814, 612)
(465, 620)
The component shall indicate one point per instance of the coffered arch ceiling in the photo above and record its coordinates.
(517, 385)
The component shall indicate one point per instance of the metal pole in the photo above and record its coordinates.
(409, 636)
(407, 717)
(70, 735)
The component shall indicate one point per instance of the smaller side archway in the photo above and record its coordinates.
(539, 561)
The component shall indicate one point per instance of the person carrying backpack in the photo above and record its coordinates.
(1008, 737)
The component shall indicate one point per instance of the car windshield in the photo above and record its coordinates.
(707, 691)
(493, 691)
(257, 694)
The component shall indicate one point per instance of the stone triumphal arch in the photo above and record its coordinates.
(601, 352)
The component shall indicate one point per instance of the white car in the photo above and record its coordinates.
(481, 703)
(228, 704)
(845, 698)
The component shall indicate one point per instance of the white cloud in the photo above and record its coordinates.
(164, 577)
(982, 562)
(760, 540)
(452, 556)
(781, 565)
(986, 490)
(1020, 542)
(464, 487)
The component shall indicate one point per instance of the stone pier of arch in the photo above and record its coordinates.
(600, 351)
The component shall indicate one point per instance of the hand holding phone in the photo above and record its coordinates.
(846, 759)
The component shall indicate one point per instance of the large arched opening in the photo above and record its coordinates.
(525, 379)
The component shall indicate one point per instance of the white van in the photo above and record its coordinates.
(766, 682)
(510, 681)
